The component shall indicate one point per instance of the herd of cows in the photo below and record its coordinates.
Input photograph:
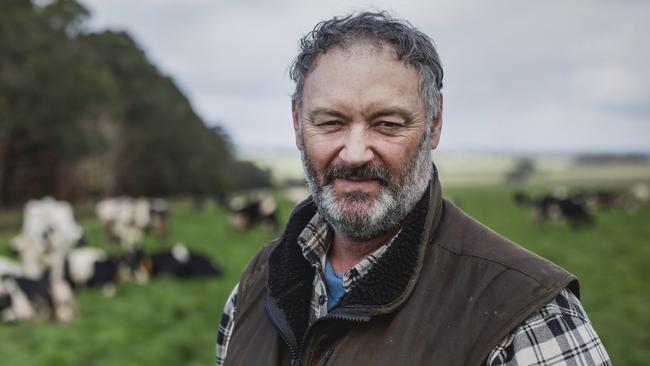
(577, 208)
(53, 262)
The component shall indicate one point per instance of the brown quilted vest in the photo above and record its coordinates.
(445, 293)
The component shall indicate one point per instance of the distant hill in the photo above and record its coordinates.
(475, 168)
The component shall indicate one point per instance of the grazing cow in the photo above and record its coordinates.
(599, 199)
(259, 210)
(127, 219)
(49, 229)
(49, 232)
(92, 267)
(88, 267)
(180, 262)
(575, 212)
(15, 305)
(27, 299)
(123, 219)
(561, 208)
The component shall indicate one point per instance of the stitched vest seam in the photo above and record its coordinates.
(483, 259)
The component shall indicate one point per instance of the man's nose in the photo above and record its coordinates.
(356, 149)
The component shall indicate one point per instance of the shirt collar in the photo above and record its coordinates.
(315, 240)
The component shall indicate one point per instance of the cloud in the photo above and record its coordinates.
(612, 86)
(549, 75)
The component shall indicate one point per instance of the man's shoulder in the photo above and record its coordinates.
(256, 267)
(463, 236)
(261, 257)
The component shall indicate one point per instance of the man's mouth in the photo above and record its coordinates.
(348, 184)
(364, 179)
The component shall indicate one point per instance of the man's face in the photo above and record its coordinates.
(364, 138)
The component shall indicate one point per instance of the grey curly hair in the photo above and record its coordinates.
(412, 47)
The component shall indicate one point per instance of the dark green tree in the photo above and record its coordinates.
(47, 91)
(70, 99)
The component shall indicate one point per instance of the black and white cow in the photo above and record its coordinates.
(93, 267)
(128, 219)
(25, 299)
(571, 210)
(28, 299)
(180, 262)
(261, 209)
(49, 230)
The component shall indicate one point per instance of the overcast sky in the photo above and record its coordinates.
(520, 76)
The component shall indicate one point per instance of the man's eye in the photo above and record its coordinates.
(388, 124)
(329, 123)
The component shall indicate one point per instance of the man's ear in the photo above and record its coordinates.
(295, 114)
(436, 127)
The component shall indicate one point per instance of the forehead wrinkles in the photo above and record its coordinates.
(360, 76)
(354, 47)
(355, 53)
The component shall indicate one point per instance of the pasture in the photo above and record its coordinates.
(174, 322)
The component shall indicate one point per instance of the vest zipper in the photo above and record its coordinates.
(353, 318)
(284, 332)
(287, 336)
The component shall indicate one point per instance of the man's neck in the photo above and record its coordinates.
(345, 252)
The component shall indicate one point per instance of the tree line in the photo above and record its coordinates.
(86, 114)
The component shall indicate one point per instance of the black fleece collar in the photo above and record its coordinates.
(387, 283)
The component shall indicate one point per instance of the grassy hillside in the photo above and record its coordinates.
(174, 322)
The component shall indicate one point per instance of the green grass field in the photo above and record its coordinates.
(174, 322)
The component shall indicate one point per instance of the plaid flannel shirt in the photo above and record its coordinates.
(558, 334)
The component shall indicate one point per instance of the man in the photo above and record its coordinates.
(375, 267)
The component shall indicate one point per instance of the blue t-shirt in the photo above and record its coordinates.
(334, 284)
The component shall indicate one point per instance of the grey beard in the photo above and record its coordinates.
(355, 215)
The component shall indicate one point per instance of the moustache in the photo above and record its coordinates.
(366, 171)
